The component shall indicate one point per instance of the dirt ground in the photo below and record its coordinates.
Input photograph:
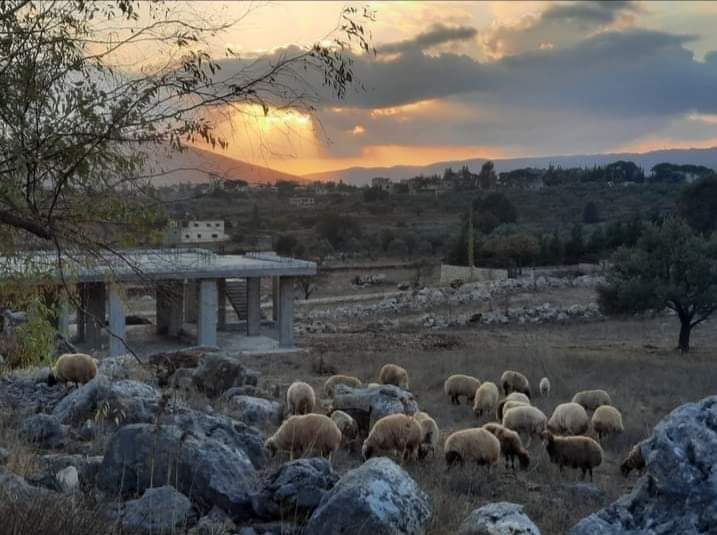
(632, 360)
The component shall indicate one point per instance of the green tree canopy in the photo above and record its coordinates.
(697, 203)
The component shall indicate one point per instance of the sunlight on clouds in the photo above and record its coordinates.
(358, 130)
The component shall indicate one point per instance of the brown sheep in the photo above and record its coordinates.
(75, 368)
(392, 374)
(526, 419)
(474, 444)
(507, 404)
(575, 452)
(510, 445)
(592, 399)
(634, 461)
(485, 399)
(606, 421)
(568, 419)
(461, 385)
(347, 425)
(300, 398)
(430, 434)
(513, 381)
(394, 433)
(305, 434)
(331, 382)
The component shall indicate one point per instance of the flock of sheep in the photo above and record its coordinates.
(413, 437)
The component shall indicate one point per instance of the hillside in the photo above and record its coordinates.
(363, 175)
(197, 165)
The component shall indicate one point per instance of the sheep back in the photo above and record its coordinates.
(461, 385)
(513, 381)
(391, 374)
(568, 419)
(74, 368)
(331, 382)
(300, 398)
(485, 399)
(307, 433)
(607, 420)
(395, 432)
(592, 399)
(476, 444)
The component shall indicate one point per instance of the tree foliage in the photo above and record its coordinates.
(697, 203)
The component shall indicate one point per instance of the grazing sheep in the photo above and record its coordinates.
(304, 434)
(347, 425)
(633, 461)
(575, 452)
(526, 419)
(331, 382)
(485, 399)
(430, 434)
(568, 419)
(394, 433)
(510, 445)
(518, 396)
(75, 368)
(461, 385)
(474, 444)
(513, 381)
(506, 404)
(300, 398)
(592, 399)
(544, 387)
(391, 374)
(606, 421)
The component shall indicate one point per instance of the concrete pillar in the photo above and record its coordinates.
(162, 306)
(81, 315)
(286, 312)
(191, 295)
(253, 306)
(222, 304)
(207, 320)
(95, 321)
(275, 299)
(117, 322)
(176, 308)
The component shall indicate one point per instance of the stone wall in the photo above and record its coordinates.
(450, 273)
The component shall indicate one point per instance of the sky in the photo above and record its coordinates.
(458, 80)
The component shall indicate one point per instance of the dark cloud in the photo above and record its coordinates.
(438, 34)
(589, 12)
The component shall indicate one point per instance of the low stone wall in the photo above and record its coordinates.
(450, 273)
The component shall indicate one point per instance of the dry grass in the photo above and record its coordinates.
(624, 358)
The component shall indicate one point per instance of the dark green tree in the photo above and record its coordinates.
(697, 203)
(590, 213)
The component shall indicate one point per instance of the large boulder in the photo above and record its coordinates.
(43, 431)
(219, 372)
(254, 411)
(160, 510)
(116, 402)
(678, 491)
(295, 489)
(501, 518)
(367, 405)
(15, 487)
(379, 496)
(140, 456)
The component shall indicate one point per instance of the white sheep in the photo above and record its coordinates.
(507, 404)
(304, 434)
(544, 387)
(75, 368)
(395, 433)
(513, 381)
(300, 398)
(607, 420)
(485, 399)
(475, 444)
(331, 382)
(461, 385)
(347, 425)
(391, 374)
(592, 399)
(575, 452)
(526, 419)
(430, 434)
(568, 419)
(518, 396)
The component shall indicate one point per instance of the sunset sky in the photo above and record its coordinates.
(455, 80)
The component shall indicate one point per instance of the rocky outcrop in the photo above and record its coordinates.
(219, 372)
(379, 496)
(501, 518)
(367, 405)
(160, 511)
(295, 489)
(43, 431)
(254, 411)
(678, 491)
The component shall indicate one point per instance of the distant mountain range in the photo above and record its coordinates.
(196, 165)
(363, 175)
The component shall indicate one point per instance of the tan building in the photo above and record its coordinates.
(195, 232)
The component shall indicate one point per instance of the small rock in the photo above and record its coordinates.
(160, 510)
(219, 372)
(255, 411)
(501, 518)
(68, 479)
(88, 430)
(43, 430)
(216, 522)
(4, 456)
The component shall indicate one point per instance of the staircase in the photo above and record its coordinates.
(235, 290)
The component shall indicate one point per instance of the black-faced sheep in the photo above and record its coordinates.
(331, 382)
(633, 461)
(300, 398)
(461, 385)
(75, 368)
(513, 381)
(507, 404)
(592, 399)
(305, 434)
(348, 427)
(510, 445)
(430, 434)
(472, 445)
(526, 419)
(568, 419)
(575, 452)
(485, 399)
(395, 433)
(606, 421)
(544, 387)
(391, 374)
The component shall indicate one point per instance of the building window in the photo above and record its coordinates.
(186, 236)
(209, 224)
(196, 224)
(216, 224)
(215, 235)
(199, 236)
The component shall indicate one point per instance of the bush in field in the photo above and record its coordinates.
(31, 343)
